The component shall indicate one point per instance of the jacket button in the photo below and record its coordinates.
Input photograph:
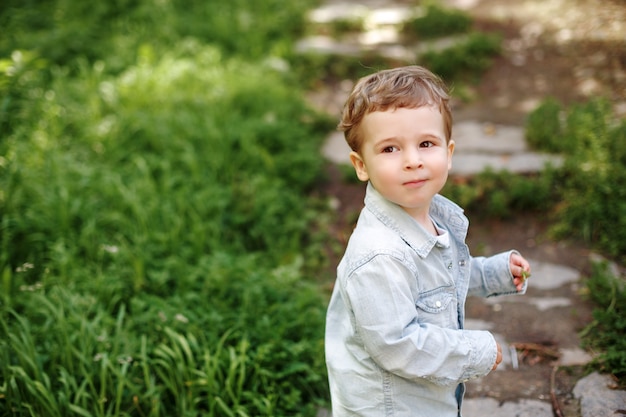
(438, 304)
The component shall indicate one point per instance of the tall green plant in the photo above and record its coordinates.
(606, 332)
(592, 203)
(146, 160)
(155, 224)
(503, 194)
(545, 127)
(192, 353)
(466, 60)
(62, 31)
(438, 21)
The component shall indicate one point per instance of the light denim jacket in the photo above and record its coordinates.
(395, 343)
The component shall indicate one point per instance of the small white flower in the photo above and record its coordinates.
(31, 288)
(181, 318)
(25, 267)
(124, 359)
(110, 248)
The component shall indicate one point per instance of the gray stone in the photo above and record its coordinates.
(335, 149)
(541, 303)
(481, 407)
(574, 357)
(546, 303)
(548, 276)
(476, 324)
(527, 162)
(597, 399)
(472, 155)
(471, 136)
(326, 45)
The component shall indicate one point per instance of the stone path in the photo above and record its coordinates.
(546, 276)
(478, 146)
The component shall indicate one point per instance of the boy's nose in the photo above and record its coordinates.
(413, 159)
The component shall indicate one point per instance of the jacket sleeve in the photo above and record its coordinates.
(405, 340)
(491, 276)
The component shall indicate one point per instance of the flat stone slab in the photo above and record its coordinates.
(574, 357)
(472, 136)
(497, 147)
(377, 12)
(477, 324)
(546, 303)
(476, 150)
(335, 149)
(521, 163)
(597, 399)
(541, 303)
(481, 407)
(549, 276)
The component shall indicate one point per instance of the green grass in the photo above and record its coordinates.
(438, 21)
(157, 209)
(591, 199)
(465, 61)
(584, 196)
(62, 30)
(502, 194)
(605, 334)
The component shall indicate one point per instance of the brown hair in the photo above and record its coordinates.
(410, 87)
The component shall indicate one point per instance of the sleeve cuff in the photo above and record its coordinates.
(498, 275)
(483, 353)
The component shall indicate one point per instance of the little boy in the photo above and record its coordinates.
(395, 343)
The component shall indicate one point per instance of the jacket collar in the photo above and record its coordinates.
(446, 213)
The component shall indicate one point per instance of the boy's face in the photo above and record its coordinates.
(405, 156)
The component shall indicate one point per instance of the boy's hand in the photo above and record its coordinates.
(498, 357)
(520, 268)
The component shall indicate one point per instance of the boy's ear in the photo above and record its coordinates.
(451, 146)
(359, 166)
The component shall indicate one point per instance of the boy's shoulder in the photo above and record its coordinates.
(373, 236)
(372, 230)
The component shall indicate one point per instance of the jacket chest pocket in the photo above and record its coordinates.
(438, 307)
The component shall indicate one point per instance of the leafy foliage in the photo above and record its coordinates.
(544, 128)
(502, 194)
(61, 31)
(438, 21)
(606, 332)
(466, 60)
(584, 196)
(591, 200)
(156, 213)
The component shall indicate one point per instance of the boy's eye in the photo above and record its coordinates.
(426, 144)
(389, 149)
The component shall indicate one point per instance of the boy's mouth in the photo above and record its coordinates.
(414, 183)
